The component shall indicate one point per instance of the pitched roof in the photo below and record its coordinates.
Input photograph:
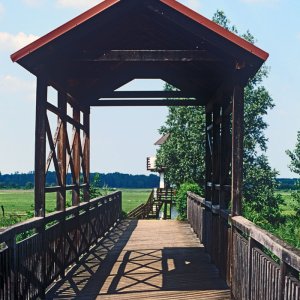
(90, 56)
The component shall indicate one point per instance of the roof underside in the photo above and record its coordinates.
(92, 55)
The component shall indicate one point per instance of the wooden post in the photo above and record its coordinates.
(86, 154)
(61, 152)
(237, 149)
(76, 159)
(40, 147)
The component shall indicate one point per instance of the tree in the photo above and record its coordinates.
(295, 156)
(183, 153)
(295, 167)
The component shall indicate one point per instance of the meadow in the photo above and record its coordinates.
(18, 204)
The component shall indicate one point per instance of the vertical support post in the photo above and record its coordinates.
(86, 154)
(76, 159)
(208, 180)
(61, 152)
(237, 149)
(216, 182)
(40, 147)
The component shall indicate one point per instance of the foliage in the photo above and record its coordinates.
(181, 197)
(183, 153)
(295, 156)
(95, 190)
(295, 167)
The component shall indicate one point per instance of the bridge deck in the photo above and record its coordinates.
(144, 260)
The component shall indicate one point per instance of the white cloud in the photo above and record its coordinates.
(10, 42)
(23, 89)
(80, 4)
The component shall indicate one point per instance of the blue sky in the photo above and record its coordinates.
(123, 137)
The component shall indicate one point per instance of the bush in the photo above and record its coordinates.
(181, 197)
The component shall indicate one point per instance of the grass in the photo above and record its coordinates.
(18, 204)
(287, 207)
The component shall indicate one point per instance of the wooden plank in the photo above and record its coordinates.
(76, 159)
(288, 254)
(146, 102)
(55, 139)
(40, 147)
(62, 152)
(86, 154)
(237, 149)
(154, 56)
(149, 94)
(145, 265)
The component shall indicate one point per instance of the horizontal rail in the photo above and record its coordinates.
(255, 263)
(35, 253)
(282, 250)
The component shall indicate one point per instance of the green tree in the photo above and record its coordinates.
(183, 153)
(295, 167)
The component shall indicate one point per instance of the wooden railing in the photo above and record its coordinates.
(256, 264)
(143, 210)
(29, 266)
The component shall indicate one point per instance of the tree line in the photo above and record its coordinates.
(111, 180)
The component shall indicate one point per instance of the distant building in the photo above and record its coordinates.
(151, 162)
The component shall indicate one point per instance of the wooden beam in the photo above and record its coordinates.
(40, 147)
(237, 149)
(149, 94)
(154, 56)
(76, 159)
(146, 102)
(62, 152)
(86, 155)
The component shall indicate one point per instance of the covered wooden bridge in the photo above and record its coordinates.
(86, 250)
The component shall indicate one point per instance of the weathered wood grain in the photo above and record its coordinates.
(145, 259)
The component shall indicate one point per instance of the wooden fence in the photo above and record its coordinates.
(28, 266)
(260, 267)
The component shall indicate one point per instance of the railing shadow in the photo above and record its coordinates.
(90, 273)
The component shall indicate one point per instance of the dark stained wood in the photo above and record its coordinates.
(149, 94)
(67, 118)
(55, 140)
(86, 154)
(146, 102)
(251, 269)
(62, 152)
(142, 264)
(237, 149)
(40, 147)
(76, 159)
(154, 56)
(35, 263)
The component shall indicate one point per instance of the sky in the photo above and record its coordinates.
(122, 138)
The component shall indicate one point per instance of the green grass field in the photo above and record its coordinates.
(18, 204)
(287, 207)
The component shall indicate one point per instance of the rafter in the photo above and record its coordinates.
(153, 56)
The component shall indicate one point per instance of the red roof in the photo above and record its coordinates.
(109, 3)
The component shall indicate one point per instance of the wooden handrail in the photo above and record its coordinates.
(256, 264)
(57, 242)
(282, 250)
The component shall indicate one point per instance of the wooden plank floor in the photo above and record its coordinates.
(144, 259)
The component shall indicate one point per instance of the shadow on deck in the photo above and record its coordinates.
(144, 260)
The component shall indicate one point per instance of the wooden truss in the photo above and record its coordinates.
(67, 154)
